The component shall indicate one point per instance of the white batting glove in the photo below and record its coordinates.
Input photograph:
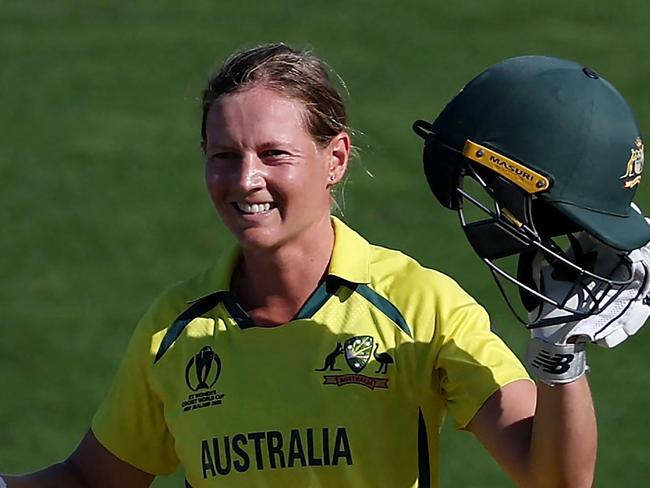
(557, 353)
(623, 317)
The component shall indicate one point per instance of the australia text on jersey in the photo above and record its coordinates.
(274, 449)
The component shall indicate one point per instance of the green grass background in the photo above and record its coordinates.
(102, 201)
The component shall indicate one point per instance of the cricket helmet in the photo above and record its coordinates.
(557, 150)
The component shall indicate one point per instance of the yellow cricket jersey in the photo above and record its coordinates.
(350, 393)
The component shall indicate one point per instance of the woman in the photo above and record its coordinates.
(306, 356)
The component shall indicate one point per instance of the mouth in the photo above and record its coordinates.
(254, 208)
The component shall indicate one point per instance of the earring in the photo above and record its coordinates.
(332, 178)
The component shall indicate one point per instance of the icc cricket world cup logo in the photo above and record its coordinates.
(203, 370)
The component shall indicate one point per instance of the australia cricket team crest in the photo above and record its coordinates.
(634, 167)
(358, 352)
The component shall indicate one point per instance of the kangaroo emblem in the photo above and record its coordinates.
(330, 360)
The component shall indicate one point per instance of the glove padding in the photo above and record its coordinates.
(623, 315)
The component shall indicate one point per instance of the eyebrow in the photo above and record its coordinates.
(276, 143)
(264, 145)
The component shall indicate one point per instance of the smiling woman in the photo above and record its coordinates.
(275, 144)
(270, 182)
(268, 178)
(307, 356)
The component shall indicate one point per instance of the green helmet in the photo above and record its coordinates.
(554, 145)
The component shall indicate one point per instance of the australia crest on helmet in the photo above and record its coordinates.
(634, 166)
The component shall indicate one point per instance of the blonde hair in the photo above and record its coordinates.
(295, 73)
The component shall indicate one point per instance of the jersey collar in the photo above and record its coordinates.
(350, 261)
(351, 255)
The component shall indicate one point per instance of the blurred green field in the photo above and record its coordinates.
(102, 200)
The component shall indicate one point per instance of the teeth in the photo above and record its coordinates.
(254, 208)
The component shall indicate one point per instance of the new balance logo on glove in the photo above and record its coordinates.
(554, 364)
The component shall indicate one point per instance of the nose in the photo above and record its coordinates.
(251, 173)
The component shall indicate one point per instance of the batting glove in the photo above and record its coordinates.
(557, 353)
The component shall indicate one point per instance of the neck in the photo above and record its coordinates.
(273, 284)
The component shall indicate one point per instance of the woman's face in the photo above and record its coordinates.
(268, 178)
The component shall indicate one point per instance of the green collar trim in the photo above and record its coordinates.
(316, 301)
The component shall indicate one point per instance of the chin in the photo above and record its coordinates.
(257, 238)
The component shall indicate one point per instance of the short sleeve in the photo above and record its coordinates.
(130, 422)
(473, 362)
